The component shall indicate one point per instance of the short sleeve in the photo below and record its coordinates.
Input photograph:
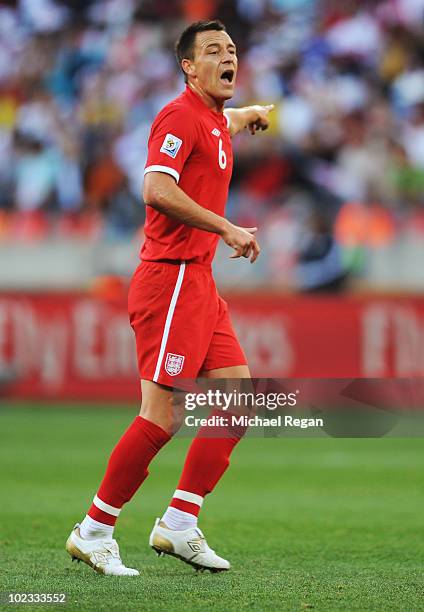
(171, 141)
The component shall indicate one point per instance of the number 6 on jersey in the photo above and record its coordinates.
(222, 158)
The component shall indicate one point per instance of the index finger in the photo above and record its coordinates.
(255, 251)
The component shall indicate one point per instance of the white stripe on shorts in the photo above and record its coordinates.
(169, 320)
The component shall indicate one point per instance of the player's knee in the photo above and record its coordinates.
(158, 407)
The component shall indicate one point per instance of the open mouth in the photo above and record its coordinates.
(227, 76)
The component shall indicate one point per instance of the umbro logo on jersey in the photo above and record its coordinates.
(171, 145)
(216, 132)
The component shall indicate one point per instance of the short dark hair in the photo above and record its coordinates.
(184, 47)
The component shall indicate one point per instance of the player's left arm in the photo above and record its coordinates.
(254, 117)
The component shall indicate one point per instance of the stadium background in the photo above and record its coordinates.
(335, 185)
(336, 188)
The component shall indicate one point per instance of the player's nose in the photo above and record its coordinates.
(229, 58)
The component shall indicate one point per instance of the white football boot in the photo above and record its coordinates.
(102, 555)
(189, 545)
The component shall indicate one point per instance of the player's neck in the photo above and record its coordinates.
(209, 101)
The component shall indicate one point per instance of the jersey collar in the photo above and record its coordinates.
(197, 100)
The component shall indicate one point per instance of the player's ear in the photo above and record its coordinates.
(188, 67)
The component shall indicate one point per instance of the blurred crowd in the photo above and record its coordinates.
(341, 167)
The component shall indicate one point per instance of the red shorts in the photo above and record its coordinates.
(181, 324)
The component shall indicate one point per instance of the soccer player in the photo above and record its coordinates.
(181, 324)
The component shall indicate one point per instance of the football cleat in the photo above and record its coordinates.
(189, 545)
(102, 555)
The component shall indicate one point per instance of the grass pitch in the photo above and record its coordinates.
(328, 524)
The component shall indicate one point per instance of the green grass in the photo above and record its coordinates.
(328, 524)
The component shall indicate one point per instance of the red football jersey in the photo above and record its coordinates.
(192, 143)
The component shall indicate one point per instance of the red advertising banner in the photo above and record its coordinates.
(78, 347)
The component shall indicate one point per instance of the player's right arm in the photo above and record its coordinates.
(171, 141)
(161, 192)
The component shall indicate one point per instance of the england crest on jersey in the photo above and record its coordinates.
(174, 364)
(171, 145)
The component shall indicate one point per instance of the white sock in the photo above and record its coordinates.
(93, 530)
(179, 520)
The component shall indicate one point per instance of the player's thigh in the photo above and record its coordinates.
(158, 406)
(149, 299)
(231, 372)
(173, 319)
(225, 358)
(226, 363)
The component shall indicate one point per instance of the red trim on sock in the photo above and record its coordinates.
(185, 506)
(103, 517)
